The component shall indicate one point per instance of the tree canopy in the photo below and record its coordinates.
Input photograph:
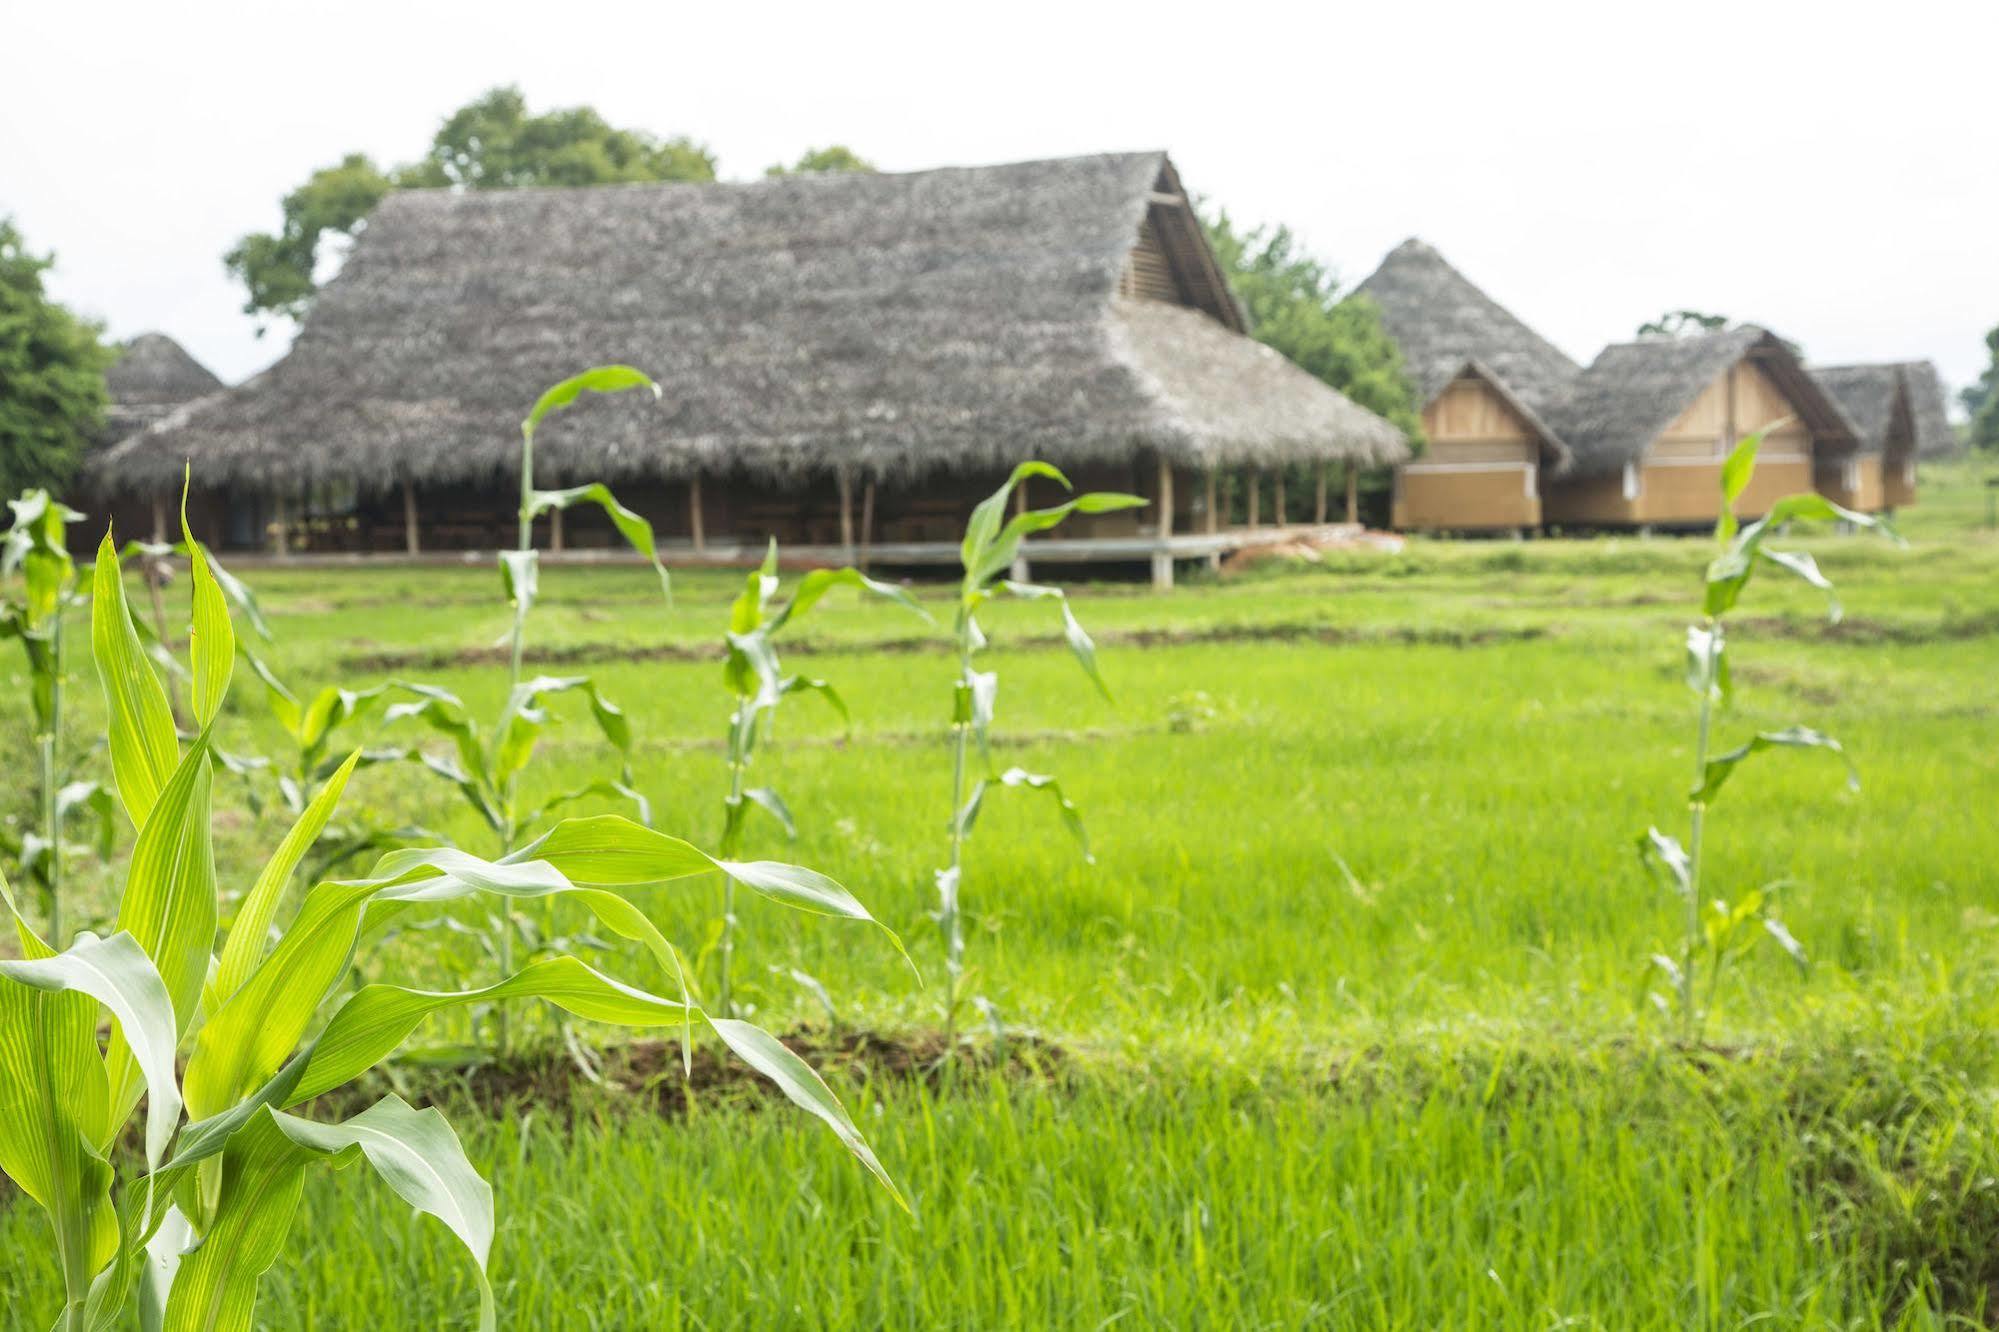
(1683, 323)
(52, 364)
(833, 157)
(1981, 400)
(1295, 305)
(492, 142)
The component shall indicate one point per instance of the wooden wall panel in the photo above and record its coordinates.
(1468, 409)
(1759, 403)
(1898, 481)
(1466, 501)
(1690, 493)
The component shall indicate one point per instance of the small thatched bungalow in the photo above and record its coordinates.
(848, 362)
(1521, 436)
(1486, 383)
(152, 376)
(1899, 415)
(1650, 422)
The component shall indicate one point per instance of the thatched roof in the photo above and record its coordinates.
(152, 370)
(1634, 390)
(1443, 323)
(1236, 397)
(152, 375)
(1874, 397)
(894, 324)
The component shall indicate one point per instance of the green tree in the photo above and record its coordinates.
(492, 142)
(1683, 323)
(52, 365)
(833, 157)
(1294, 305)
(1981, 400)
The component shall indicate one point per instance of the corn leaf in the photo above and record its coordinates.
(264, 1164)
(985, 521)
(212, 640)
(117, 973)
(803, 1087)
(169, 905)
(55, 1113)
(377, 1018)
(1722, 766)
(636, 531)
(816, 584)
(140, 728)
(599, 379)
(1001, 553)
(250, 933)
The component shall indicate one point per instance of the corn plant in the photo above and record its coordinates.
(757, 683)
(265, 1024)
(487, 771)
(1715, 930)
(36, 547)
(991, 546)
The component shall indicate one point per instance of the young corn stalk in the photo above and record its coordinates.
(267, 1024)
(757, 683)
(487, 772)
(992, 543)
(1714, 930)
(36, 548)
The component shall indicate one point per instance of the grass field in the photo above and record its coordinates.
(1270, 1094)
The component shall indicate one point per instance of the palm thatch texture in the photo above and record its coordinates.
(890, 327)
(1890, 403)
(151, 377)
(1633, 390)
(1444, 323)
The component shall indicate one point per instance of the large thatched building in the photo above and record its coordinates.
(848, 361)
(1521, 436)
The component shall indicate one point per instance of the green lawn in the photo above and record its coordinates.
(1426, 1095)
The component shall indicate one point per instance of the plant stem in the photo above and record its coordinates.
(511, 830)
(48, 752)
(948, 916)
(1697, 813)
(741, 723)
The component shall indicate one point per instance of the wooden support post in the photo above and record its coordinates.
(1162, 559)
(1353, 493)
(867, 522)
(1277, 496)
(846, 483)
(411, 544)
(1214, 519)
(1319, 496)
(280, 546)
(1253, 479)
(555, 530)
(694, 530)
(159, 520)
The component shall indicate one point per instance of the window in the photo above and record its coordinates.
(1631, 480)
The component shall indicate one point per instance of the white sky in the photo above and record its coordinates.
(1829, 170)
